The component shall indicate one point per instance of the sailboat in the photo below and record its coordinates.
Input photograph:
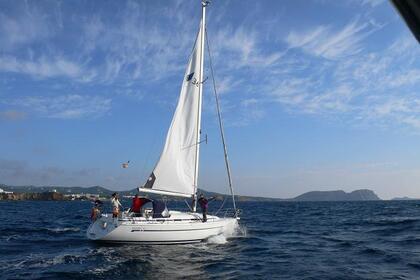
(176, 173)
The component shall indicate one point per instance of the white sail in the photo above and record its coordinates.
(175, 173)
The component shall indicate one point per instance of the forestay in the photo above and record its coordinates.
(174, 172)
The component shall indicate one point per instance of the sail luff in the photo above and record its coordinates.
(200, 94)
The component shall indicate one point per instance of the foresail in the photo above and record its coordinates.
(174, 172)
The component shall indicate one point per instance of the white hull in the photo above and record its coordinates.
(178, 228)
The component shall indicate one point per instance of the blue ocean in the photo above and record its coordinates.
(277, 240)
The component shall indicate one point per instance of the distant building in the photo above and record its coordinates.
(3, 191)
(82, 196)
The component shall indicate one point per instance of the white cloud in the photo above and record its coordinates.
(324, 41)
(406, 78)
(130, 48)
(242, 47)
(249, 111)
(298, 40)
(388, 81)
(372, 3)
(27, 26)
(46, 67)
(123, 50)
(66, 106)
(335, 76)
(308, 95)
(226, 84)
(372, 88)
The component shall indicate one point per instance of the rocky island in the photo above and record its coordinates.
(97, 192)
(358, 195)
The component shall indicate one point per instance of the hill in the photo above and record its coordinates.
(358, 195)
(64, 190)
(339, 195)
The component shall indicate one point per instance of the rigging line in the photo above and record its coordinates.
(193, 145)
(219, 115)
(189, 207)
(221, 206)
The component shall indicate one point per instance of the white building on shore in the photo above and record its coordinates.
(3, 191)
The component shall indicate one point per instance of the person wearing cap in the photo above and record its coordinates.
(204, 204)
(96, 212)
(116, 204)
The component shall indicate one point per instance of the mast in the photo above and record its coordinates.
(204, 4)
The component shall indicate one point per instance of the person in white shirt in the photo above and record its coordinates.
(116, 204)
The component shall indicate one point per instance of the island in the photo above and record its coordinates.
(358, 195)
(98, 192)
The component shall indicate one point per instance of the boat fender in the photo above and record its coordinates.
(104, 225)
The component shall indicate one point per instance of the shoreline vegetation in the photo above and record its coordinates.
(44, 196)
(58, 193)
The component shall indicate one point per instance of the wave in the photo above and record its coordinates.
(393, 221)
(414, 265)
(12, 237)
(372, 251)
(43, 261)
(218, 239)
(65, 229)
(32, 230)
(286, 241)
(232, 230)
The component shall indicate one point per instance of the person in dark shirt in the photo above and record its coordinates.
(204, 204)
(138, 203)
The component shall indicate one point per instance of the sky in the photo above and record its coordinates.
(315, 95)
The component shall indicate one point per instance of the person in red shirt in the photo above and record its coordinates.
(138, 203)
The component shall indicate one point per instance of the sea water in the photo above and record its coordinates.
(275, 240)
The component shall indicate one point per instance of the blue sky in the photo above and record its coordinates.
(316, 95)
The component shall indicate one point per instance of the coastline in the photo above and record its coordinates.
(44, 196)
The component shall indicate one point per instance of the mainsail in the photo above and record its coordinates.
(176, 171)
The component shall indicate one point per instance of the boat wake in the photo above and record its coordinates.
(218, 239)
(65, 229)
(232, 230)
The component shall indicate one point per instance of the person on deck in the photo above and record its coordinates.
(204, 204)
(96, 211)
(138, 203)
(116, 204)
